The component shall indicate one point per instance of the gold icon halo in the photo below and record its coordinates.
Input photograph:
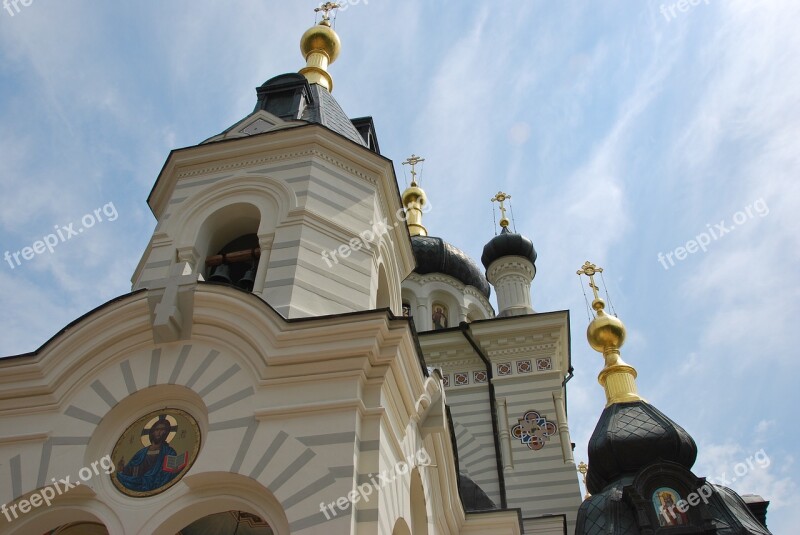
(173, 426)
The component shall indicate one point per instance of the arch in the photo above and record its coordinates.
(419, 509)
(223, 226)
(474, 312)
(261, 199)
(387, 261)
(60, 516)
(401, 528)
(383, 295)
(218, 492)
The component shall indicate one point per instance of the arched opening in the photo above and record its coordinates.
(228, 245)
(219, 493)
(401, 528)
(238, 522)
(67, 520)
(80, 528)
(383, 297)
(419, 511)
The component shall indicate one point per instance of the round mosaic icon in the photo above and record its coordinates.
(155, 452)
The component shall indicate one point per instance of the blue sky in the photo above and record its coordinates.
(621, 133)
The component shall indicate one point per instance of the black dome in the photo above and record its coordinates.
(628, 437)
(434, 255)
(507, 244)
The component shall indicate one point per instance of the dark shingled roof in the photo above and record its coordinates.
(434, 255)
(327, 112)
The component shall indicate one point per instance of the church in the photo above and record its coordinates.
(297, 355)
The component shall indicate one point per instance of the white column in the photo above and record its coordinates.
(511, 277)
(563, 428)
(505, 436)
(265, 243)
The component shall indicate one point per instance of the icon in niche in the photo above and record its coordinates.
(155, 452)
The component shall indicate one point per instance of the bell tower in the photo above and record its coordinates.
(293, 203)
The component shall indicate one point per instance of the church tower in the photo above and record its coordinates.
(639, 476)
(290, 203)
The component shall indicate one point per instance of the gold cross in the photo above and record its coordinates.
(501, 198)
(325, 8)
(413, 161)
(590, 270)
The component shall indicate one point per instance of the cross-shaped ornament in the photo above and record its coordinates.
(590, 270)
(413, 161)
(502, 198)
(326, 8)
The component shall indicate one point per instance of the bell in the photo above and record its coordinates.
(246, 282)
(222, 273)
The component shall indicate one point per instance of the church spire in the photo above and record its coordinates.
(414, 199)
(320, 46)
(606, 334)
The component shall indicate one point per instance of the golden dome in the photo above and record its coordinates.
(321, 38)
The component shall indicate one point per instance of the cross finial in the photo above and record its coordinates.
(590, 270)
(413, 161)
(326, 8)
(502, 198)
(583, 469)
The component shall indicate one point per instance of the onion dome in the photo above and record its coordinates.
(508, 243)
(434, 255)
(630, 436)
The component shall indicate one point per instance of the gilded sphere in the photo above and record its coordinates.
(321, 38)
(605, 331)
(414, 193)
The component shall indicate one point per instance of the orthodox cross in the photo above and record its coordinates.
(502, 198)
(590, 270)
(413, 161)
(583, 468)
(326, 8)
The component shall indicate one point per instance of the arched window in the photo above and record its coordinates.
(407, 309)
